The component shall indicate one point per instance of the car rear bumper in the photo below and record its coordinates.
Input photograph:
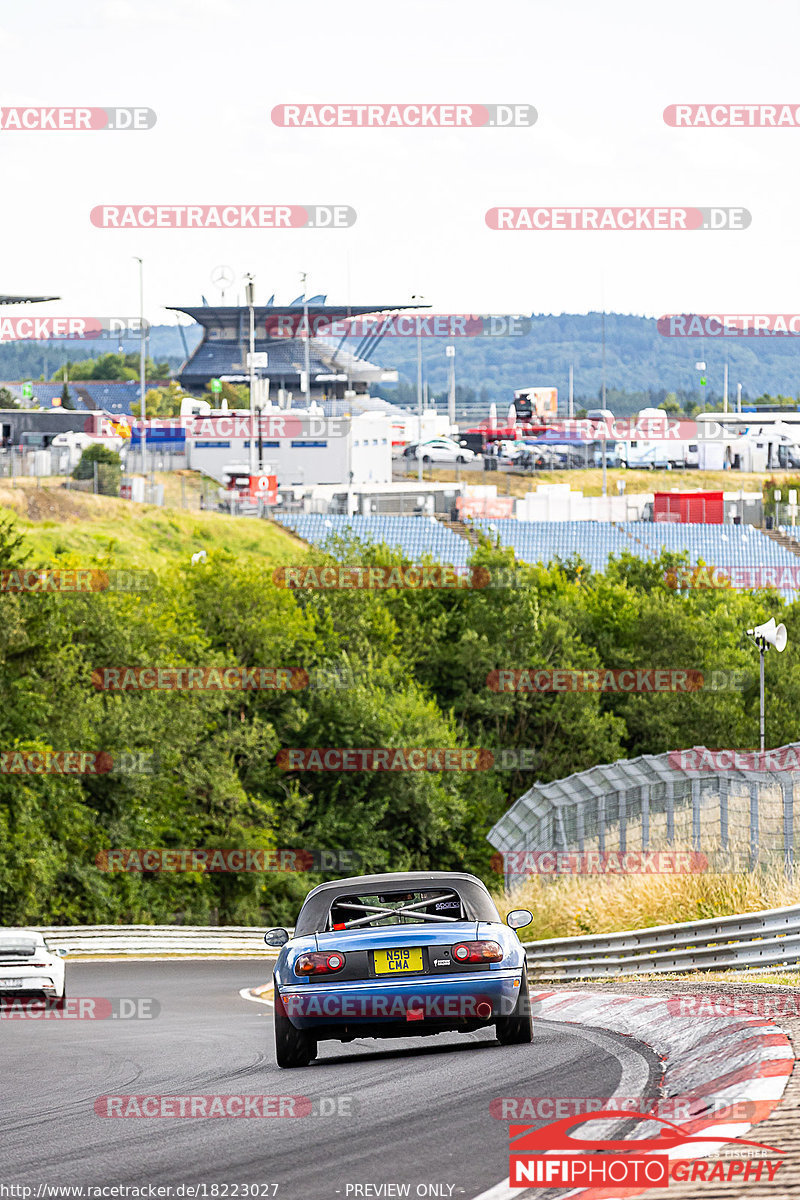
(449, 1002)
(43, 980)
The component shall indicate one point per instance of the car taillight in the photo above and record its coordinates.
(38, 964)
(477, 952)
(319, 963)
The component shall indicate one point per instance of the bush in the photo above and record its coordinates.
(109, 468)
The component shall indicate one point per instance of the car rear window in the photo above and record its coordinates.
(364, 910)
(24, 947)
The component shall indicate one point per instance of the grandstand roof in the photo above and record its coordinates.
(212, 314)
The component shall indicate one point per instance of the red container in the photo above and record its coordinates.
(689, 508)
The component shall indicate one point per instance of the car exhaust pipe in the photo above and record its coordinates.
(484, 1010)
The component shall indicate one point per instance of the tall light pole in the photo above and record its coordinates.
(603, 400)
(250, 291)
(764, 636)
(307, 347)
(419, 397)
(450, 351)
(142, 371)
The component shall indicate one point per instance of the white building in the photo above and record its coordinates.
(303, 448)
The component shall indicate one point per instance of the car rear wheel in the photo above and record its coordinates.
(293, 1047)
(461, 458)
(60, 1001)
(426, 458)
(517, 1028)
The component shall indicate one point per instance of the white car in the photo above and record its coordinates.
(442, 450)
(508, 451)
(28, 965)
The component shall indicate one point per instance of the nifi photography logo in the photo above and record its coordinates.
(552, 1157)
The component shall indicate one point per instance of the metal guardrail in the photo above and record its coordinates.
(153, 941)
(744, 942)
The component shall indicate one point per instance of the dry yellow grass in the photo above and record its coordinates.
(575, 904)
(590, 481)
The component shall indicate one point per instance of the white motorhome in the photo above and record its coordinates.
(745, 453)
(749, 441)
(638, 453)
(75, 443)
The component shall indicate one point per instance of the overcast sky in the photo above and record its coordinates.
(599, 75)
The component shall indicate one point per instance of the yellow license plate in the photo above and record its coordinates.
(397, 962)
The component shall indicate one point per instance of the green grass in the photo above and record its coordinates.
(57, 522)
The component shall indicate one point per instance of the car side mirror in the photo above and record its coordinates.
(519, 917)
(276, 937)
(60, 952)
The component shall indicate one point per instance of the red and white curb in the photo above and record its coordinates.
(708, 1059)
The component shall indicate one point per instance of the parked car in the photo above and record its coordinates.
(398, 955)
(507, 451)
(440, 450)
(29, 967)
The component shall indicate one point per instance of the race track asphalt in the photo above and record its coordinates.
(407, 1112)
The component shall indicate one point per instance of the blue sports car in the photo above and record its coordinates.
(397, 956)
